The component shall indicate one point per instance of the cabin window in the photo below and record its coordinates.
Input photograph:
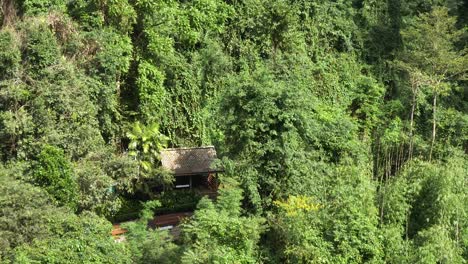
(182, 182)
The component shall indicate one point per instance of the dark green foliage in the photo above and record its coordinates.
(148, 245)
(24, 213)
(124, 171)
(33, 229)
(41, 49)
(53, 172)
(129, 210)
(108, 66)
(263, 122)
(50, 91)
(171, 201)
(424, 202)
(177, 201)
(353, 216)
(80, 238)
(64, 113)
(281, 134)
(97, 187)
(15, 124)
(344, 122)
(171, 89)
(96, 14)
(219, 233)
(10, 54)
(35, 7)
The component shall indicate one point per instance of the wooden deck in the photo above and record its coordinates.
(117, 230)
(158, 221)
(169, 219)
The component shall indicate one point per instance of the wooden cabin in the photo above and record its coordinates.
(192, 167)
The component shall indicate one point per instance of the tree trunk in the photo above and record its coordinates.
(434, 105)
(9, 12)
(413, 107)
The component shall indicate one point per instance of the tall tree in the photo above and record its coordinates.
(431, 58)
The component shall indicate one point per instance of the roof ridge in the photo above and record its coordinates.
(184, 148)
(189, 160)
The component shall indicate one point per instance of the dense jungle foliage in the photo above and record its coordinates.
(342, 127)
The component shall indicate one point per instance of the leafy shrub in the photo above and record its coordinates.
(219, 233)
(177, 201)
(34, 7)
(53, 172)
(24, 211)
(97, 189)
(149, 245)
(171, 201)
(80, 238)
(130, 209)
(41, 46)
(94, 14)
(10, 55)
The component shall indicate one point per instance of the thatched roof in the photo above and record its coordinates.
(186, 161)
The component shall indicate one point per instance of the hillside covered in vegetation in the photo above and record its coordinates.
(342, 128)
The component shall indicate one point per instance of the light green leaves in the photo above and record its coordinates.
(218, 233)
(146, 142)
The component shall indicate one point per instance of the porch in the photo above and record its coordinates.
(193, 168)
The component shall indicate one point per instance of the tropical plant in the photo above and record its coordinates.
(146, 143)
(53, 172)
